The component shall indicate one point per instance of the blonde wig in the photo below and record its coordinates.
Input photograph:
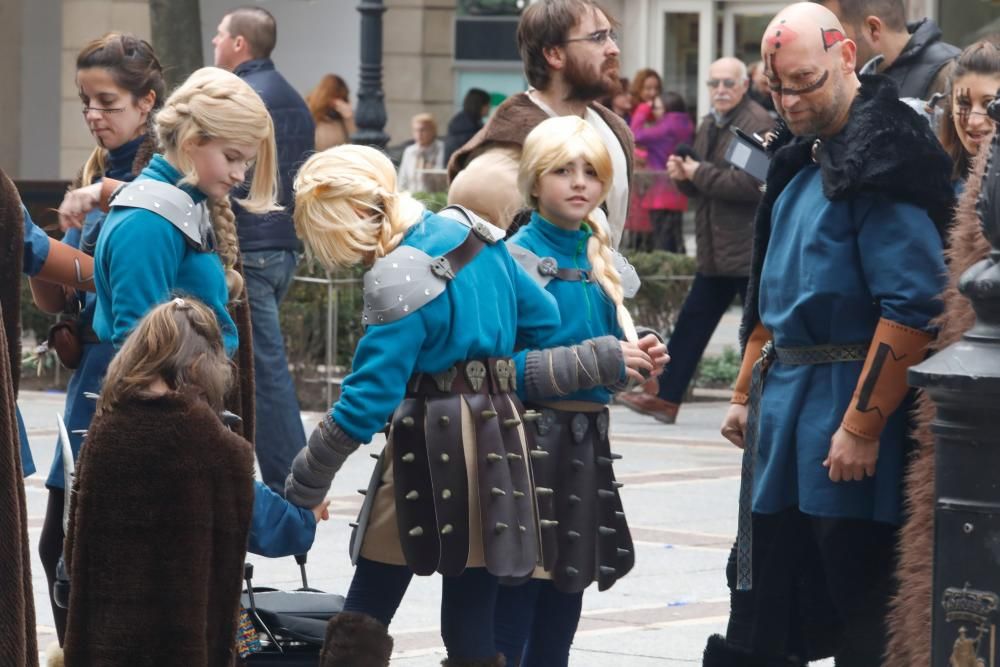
(216, 104)
(347, 209)
(552, 144)
(179, 342)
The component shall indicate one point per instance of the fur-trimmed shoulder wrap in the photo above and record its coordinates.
(407, 279)
(885, 148)
(158, 530)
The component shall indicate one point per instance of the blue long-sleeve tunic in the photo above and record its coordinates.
(832, 270)
(142, 260)
(36, 251)
(586, 311)
(490, 307)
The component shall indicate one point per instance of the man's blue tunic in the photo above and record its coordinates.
(832, 270)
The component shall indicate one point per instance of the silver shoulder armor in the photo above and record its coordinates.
(483, 229)
(630, 277)
(535, 266)
(172, 204)
(398, 284)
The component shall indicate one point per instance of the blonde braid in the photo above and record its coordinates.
(227, 244)
(602, 269)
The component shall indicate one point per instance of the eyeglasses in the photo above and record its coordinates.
(599, 38)
(714, 83)
(103, 112)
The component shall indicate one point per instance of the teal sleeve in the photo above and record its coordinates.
(537, 311)
(279, 528)
(143, 256)
(383, 363)
(36, 246)
(902, 257)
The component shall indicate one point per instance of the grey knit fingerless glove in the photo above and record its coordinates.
(316, 464)
(558, 371)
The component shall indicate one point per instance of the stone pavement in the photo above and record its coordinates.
(681, 489)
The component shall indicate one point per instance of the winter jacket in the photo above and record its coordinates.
(726, 196)
(294, 135)
(918, 71)
(660, 139)
(461, 128)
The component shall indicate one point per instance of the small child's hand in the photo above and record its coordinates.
(322, 511)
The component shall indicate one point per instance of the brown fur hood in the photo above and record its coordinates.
(158, 532)
(910, 616)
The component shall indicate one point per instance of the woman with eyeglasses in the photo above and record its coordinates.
(120, 83)
(972, 85)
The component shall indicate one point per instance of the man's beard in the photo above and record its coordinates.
(585, 86)
(816, 123)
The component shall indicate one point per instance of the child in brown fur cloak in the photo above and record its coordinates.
(162, 503)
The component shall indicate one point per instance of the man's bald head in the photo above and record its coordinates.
(727, 83)
(809, 63)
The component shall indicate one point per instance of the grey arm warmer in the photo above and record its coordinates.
(558, 371)
(316, 464)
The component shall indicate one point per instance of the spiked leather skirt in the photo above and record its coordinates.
(592, 539)
(453, 487)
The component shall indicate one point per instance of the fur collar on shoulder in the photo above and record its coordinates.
(885, 148)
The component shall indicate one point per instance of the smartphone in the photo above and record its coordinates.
(747, 152)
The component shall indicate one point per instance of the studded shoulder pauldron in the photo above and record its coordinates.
(175, 206)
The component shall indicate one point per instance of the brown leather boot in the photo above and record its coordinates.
(655, 407)
(496, 661)
(355, 640)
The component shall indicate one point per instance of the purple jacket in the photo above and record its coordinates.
(662, 137)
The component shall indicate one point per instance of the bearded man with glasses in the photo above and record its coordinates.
(725, 200)
(570, 54)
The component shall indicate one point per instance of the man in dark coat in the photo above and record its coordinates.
(726, 200)
(913, 54)
(270, 248)
(846, 270)
(570, 57)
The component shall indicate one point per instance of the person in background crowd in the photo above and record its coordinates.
(972, 84)
(570, 55)
(330, 106)
(726, 199)
(621, 101)
(759, 91)
(646, 86)
(913, 55)
(464, 125)
(120, 84)
(659, 127)
(847, 269)
(270, 249)
(426, 152)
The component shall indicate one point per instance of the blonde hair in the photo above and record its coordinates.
(215, 104)
(425, 119)
(552, 144)
(347, 209)
(179, 342)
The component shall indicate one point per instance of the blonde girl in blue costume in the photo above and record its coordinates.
(565, 172)
(171, 232)
(445, 306)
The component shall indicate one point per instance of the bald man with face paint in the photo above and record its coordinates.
(847, 267)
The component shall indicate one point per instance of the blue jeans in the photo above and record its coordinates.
(704, 306)
(467, 603)
(536, 623)
(280, 435)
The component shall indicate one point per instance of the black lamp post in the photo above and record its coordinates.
(370, 114)
(963, 380)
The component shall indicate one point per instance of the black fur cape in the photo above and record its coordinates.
(18, 645)
(885, 148)
(158, 532)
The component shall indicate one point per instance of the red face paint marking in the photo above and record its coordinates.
(781, 34)
(831, 37)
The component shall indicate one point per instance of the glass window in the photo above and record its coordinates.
(964, 22)
(491, 7)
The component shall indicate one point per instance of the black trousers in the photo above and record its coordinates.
(821, 587)
(50, 547)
